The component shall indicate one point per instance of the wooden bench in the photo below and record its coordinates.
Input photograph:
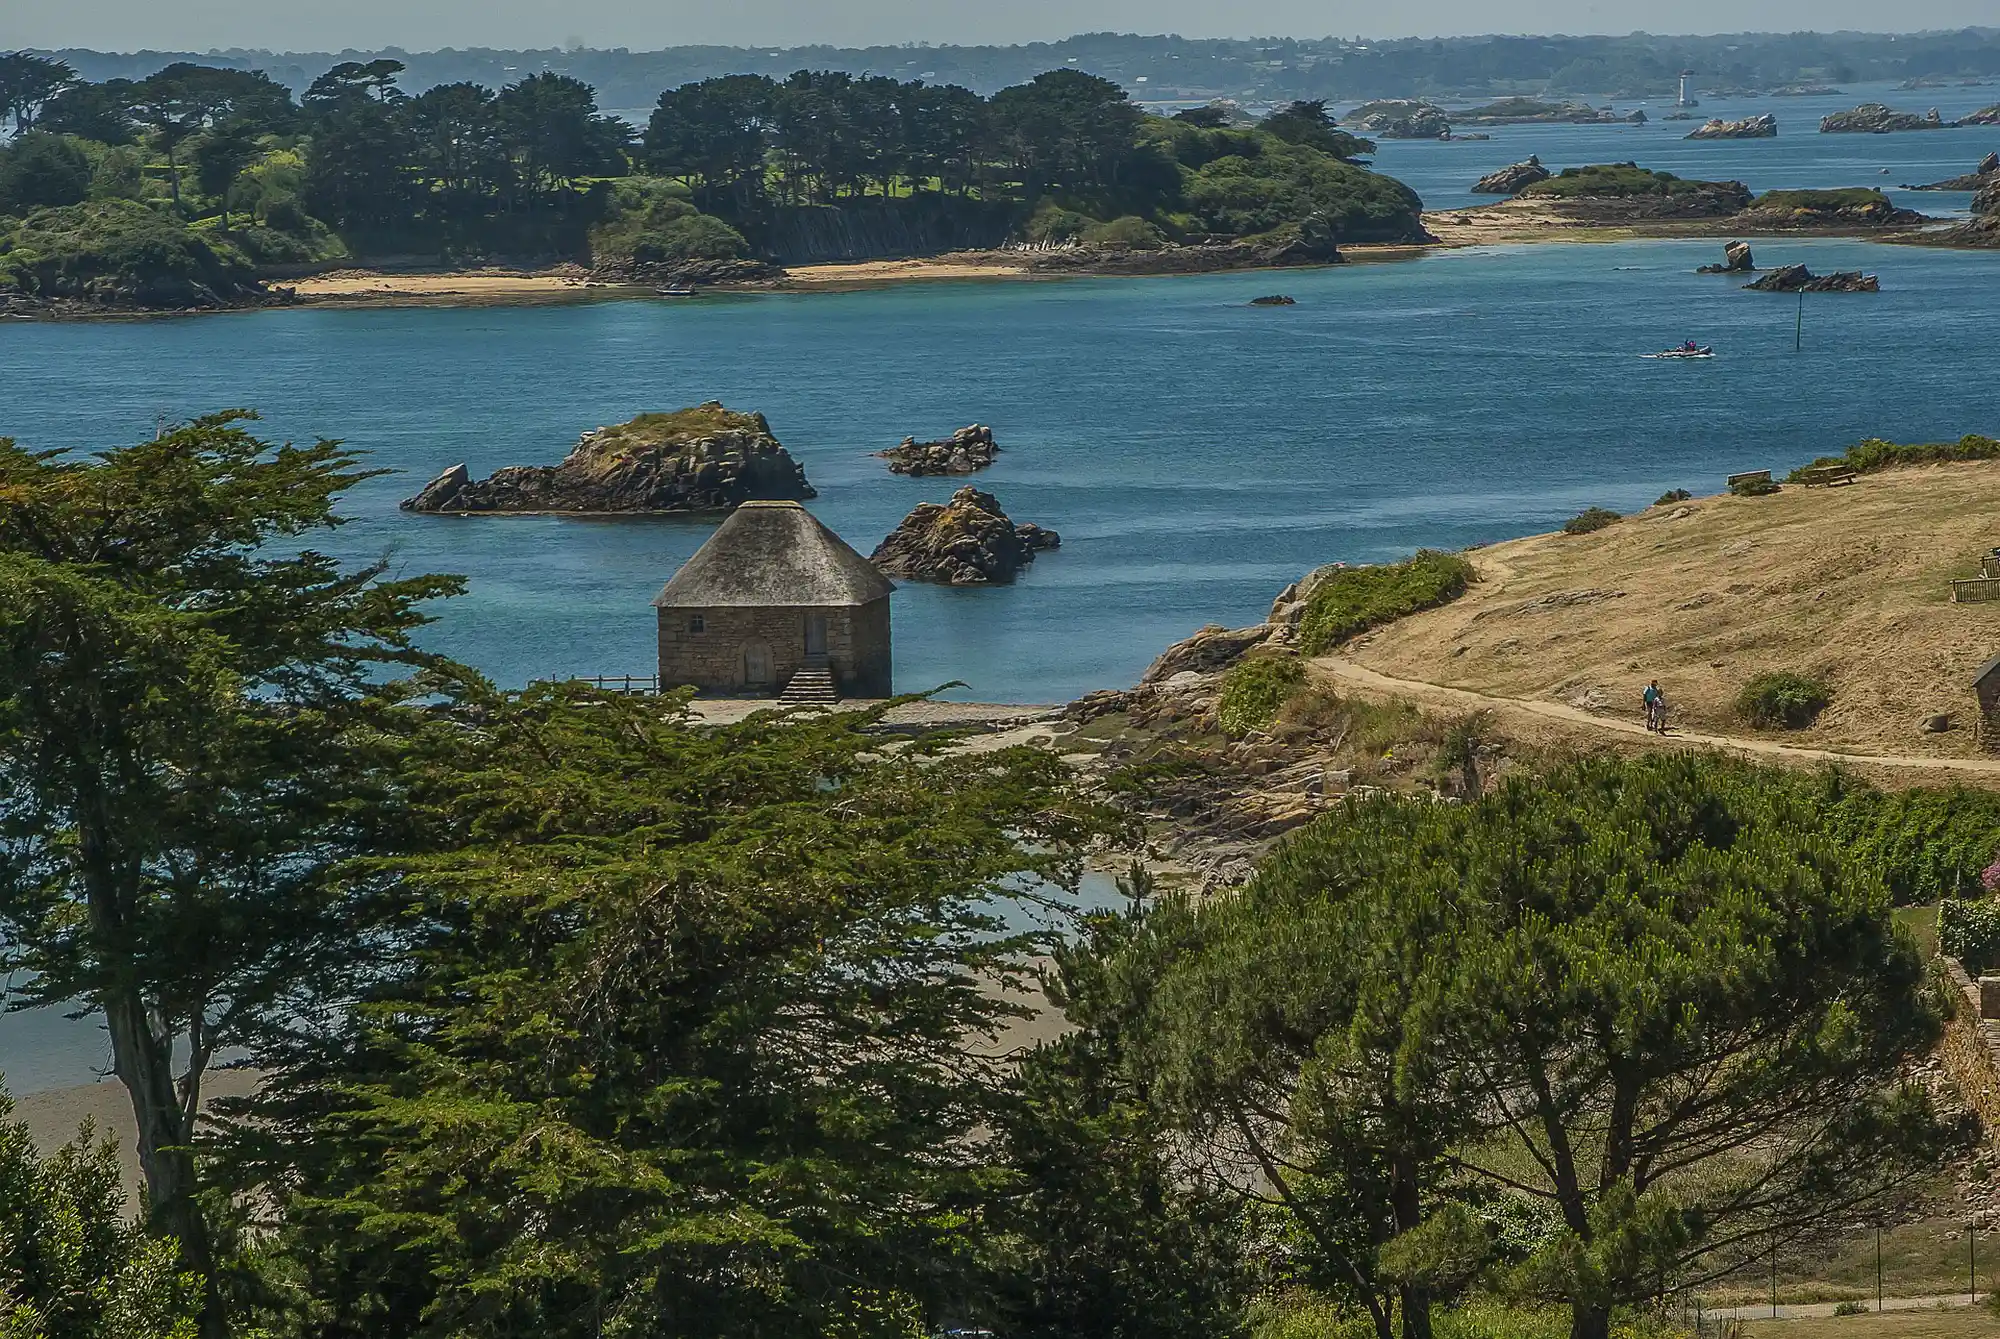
(1827, 476)
(1750, 477)
(1975, 590)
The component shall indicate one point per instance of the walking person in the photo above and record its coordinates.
(1655, 699)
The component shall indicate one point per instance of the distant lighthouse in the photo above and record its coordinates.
(1687, 100)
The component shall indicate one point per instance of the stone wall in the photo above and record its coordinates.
(714, 660)
(1971, 1049)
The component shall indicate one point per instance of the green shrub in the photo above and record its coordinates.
(1783, 700)
(1850, 1309)
(1925, 844)
(1754, 488)
(1846, 197)
(1129, 232)
(1673, 495)
(1052, 225)
(1254, 689)
(118, 251)
(1590, 520)
(664, 231)
(1352, 601)
(1876, 454)
(41, 170)
(1970, 932)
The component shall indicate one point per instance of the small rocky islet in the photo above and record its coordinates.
(1875, 118)
(968, 541)
(1514, 178)
(966, 451)
(707, 458)
(1762, 126)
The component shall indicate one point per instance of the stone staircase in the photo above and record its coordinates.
(812, 686)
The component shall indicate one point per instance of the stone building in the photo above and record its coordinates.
(775, 603)
(1986, 687)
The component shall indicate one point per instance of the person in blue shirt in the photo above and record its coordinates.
(1656, 707)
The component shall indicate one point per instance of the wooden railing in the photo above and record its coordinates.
(619, 683)
(1975, 590)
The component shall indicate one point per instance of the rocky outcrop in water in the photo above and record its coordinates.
(703, 459)
(1799, 279)
(1211, 649)
(1401, 118)
(1513, 179)
(1736, 259)
(1852, 210)
(688, 273)
(1764, 126)
(1873, 118)
(966, 542)
(1531, 111)
(1985, 116)
(1985, 175)
(964, 452)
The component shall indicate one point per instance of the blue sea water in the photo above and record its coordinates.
(1197, 454)
(1443, 172)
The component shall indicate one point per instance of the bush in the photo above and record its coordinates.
(118, 251)
(1130, 233)
(1254, 689)
(42, 171)
(1052, 225)
(665, 231)
(1850, 1309)
(1970, 932)
(1754, 488)
(1673, 495)
(1926, 844)
(1783, 700)
(1590, 520)
(1876, 454)
(1356, 599)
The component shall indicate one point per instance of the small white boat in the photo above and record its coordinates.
(676, 292)
(1677, 355)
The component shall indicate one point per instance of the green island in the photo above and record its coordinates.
(199, 184)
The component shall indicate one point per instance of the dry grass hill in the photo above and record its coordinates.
(1847, 583)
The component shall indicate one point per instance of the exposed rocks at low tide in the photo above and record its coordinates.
(1736, 259)
(1873, 118)
(966, 451)
(690, 273)
(703, 459)
(1853, 211)
(1799, 279)
(1987, 174)
(1763, 126)
(1513, 179)
(1985, 116)
(968, 541)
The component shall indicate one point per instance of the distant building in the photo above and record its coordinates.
(776, 601)
(1686, 98)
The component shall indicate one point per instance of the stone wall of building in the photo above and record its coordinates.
(715, 659)
(1971, 1049)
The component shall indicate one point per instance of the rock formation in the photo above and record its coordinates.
(1985, 116)
(1799, 279)
(1872, 118)
(966, 542)
(702, 459)
(1513, 179)
(1211, 649)
(1839, 209)
(1401, 118)
(1985, 175)
(964, 452)
(1764, 126)
(1736, 259)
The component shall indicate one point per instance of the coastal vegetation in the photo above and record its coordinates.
(1352, 600)
(225, 170)
(1873, 454)
(1590, 520)
(577, 1016)
(1783, 700)
(1619, 181)
(1254, 689)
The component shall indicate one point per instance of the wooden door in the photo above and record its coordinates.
(815, 634)
(756, 665)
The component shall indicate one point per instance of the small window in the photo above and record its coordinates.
(696, 623)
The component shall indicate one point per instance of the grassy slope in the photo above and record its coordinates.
(1850, 583)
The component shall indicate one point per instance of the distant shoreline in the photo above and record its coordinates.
(1505, 224)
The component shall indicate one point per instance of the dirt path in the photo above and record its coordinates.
(1354, 676)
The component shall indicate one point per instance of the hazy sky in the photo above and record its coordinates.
(124, 25)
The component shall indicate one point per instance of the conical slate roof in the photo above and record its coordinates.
(773, 554)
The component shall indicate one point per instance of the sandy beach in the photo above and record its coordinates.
(470, 287)
(904, 271)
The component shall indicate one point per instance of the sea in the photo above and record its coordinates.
(1195, 453)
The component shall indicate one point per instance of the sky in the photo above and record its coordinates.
(418, 25)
